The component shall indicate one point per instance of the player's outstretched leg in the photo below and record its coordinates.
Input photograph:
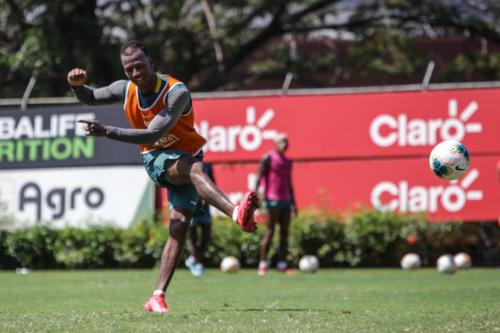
(188, 169)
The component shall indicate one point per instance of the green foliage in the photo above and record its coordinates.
(7, 261)
(141, 245)
(229, 240)
(371, 236)
(466, 65)
(311, 233)
(321, 234)
(92, 248)
(364, 238)
(30, 58)
(33, 247)
(384, 54)
(47, 38)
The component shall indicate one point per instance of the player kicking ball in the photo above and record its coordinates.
(159, 110)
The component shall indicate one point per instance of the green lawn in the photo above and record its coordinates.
(332, 300)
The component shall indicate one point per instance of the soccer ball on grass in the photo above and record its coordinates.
(410, 261)
(230, 265)
(309, 264)
(445, 264)
(462, 260)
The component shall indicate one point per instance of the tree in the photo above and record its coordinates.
(228, 44)
(44, 39)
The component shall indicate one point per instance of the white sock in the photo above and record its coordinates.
(263, 264)
(158, 292)
(235, 213)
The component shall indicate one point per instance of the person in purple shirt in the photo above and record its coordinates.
(275, 173)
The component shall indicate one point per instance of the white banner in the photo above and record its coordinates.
(76, 196)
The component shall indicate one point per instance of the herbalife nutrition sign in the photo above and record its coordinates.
(52, 172)
(53, 138)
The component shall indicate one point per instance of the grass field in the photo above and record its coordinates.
(332, 300)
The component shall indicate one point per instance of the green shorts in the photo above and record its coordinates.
(156, 163)
(203, 218)
(278, 204)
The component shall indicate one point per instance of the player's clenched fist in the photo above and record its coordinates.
(77, 77)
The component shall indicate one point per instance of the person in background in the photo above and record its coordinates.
(275, 172)
(200, 231)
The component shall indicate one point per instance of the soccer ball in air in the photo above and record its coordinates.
(309, 264)
(462, 260)
(449, 160)
(230, 265)
(410, 261)
(445, 264)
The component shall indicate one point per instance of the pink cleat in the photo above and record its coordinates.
(263, 268)
(156, 303)
(262, 271)
(248, 206)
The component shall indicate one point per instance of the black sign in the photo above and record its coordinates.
(51, 137)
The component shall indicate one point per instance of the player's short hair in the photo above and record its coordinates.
(131, 46)
(281, 137)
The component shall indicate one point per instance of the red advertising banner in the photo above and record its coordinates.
(400, 185)
(363, 149)
(350, 126)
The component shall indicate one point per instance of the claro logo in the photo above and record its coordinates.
(390, 196)
(249, 136)
(387, 130)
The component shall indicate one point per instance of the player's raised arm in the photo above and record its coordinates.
(77, 78)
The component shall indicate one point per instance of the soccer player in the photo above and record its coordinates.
(275, 170)
(200, 230)
(159, 110)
